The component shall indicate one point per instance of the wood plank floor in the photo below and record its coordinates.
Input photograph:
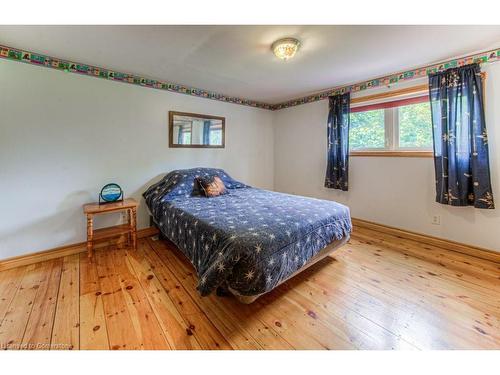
(376, 292)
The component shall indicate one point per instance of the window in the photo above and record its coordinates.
(392, 127)
(415, 126)
(215, 135)
(186, 137)
(367, 130)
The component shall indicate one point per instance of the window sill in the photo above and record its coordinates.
(407, 154)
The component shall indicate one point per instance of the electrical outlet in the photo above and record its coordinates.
(436, 220)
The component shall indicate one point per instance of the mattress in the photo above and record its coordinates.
(248, 240)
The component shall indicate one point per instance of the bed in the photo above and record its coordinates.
(249, 240)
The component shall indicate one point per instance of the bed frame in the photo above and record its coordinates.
(329, 249)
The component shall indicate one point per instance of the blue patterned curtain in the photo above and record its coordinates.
(206, 132)
(338, 142)
(460, 138)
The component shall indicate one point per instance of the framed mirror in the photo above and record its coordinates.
(195, 130)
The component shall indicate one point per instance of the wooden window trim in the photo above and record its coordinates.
(424, 90)
(393, 103)
(395, 153)
(421, 93)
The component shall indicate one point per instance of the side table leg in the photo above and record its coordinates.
(90, 235)
(133, 223)
(129, 234)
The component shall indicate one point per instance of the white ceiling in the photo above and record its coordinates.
(237, 60)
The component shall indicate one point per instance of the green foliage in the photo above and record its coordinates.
(367, 129)
(415, 125)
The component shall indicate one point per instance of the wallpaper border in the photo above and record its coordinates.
(14, 54)
(32, 58)
(481, 58)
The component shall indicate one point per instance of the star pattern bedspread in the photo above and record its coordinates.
(248, 239)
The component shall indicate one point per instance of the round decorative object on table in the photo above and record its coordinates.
(111, 193)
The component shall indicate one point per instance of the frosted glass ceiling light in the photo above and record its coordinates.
(285, 48)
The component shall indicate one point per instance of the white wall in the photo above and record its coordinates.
(63, 136)
(399, 192)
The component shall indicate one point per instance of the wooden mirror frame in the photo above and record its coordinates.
(171, 143)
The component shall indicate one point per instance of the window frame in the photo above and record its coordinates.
(390, 100)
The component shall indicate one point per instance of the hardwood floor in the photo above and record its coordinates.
(377, 292)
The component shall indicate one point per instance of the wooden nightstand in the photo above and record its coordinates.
(91, 209)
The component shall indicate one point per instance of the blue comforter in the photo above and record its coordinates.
(248, 239)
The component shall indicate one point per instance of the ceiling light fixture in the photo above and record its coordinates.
(285, 48)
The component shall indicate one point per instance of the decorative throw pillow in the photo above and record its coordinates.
(212, 186)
